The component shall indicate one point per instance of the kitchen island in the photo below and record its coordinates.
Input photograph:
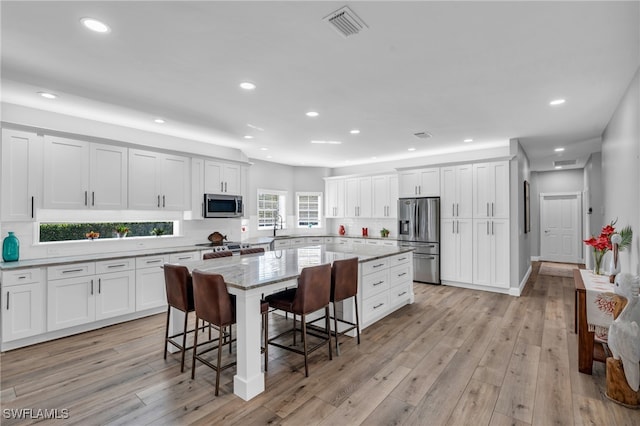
(384, 285)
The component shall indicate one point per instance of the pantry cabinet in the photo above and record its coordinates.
(456, 249)
(456, 191)
(158, 181)
(419, 183)
(23, 303)
(491, 253)
(358, 197)
(491, 190)
(222, 178)
(21, 175)
(384, 196)
(81, 175)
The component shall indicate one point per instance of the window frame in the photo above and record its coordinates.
(298, 210)
(281, 210)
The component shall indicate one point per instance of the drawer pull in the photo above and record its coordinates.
(401, 259)
(7, 301)
(378, 283)
(402, 294)
(153, 261)
(120, 265)
(22, 277)
(402, 274)
(184, 258)
(68, 271)
(378, 305)
(378, 265)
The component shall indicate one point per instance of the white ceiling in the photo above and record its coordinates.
(481, 70)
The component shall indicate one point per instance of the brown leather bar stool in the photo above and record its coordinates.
(213, 304)
(254, 250)
(179, 296)
(344, 285)
(312, 294)
(217, 254)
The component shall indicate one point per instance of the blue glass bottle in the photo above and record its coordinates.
(10, 248)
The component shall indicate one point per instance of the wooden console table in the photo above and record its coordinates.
(588, 349)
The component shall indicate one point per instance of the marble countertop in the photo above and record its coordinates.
(268, 240)
(252, 271)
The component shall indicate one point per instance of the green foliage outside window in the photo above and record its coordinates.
(50, 232)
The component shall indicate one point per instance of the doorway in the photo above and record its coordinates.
(561, 227)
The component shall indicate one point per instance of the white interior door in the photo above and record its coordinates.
(561, 227)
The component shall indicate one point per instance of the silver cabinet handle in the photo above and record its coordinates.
(457, 226)
(487, 209)
(419, 189)
(378, 265)
(68, 271)
(163, 201)
(93, 198)
(184, 258)
(32, 206)
(99, 285)
(7, 301)
(401, 259)
(158, 201)
(493, 213)
(119, 265)
(402, 294)
(378, 305)
(492, 233)
(225, 187)
(153, 261)
(458, 209)
(22, 277)
(221, 187)
(402, 274)
(92, 287)
(378, 283)
(487, 227)
(85, 198)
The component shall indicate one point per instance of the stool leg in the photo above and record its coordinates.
(166, 332)
(265, 325)
(335, 325)
(294, 329)
(304, 343)
(328, 330)
(219, 359)
(355, 302)
(195, 350)
(184, 339)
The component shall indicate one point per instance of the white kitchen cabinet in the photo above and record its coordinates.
(384, 196)
(222, 178)
(21, 175)
(158, 181)
(115, 294)
(456, 193)
(334, 189)
(70, 302)
(358, 197)
(184, 256)
(197, 188)
(150, 287)
(491, 253)
(23, 304)
(419, 183)
(80, 175)
(312, 241)
(491, 190)
(456, 250)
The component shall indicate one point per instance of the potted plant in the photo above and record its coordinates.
(384, 232)
(157, 231)
(121, 231)
(91, 235)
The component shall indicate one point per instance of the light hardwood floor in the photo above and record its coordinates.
(454, 357)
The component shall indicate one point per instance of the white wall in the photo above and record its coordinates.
(520, 241)
(621, 170)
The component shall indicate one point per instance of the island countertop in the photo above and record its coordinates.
(252, 271)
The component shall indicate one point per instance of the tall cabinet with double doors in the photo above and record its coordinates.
(491, 224)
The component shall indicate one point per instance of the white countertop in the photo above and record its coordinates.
(251, 271)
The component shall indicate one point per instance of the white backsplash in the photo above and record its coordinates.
(354, 226)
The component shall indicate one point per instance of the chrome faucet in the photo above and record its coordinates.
(275, 224)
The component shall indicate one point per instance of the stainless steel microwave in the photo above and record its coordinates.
(221, 205)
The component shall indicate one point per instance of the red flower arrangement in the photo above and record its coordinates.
(602, 244)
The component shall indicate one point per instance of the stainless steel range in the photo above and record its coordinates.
(233, 246)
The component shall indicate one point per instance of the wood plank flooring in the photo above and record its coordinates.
(454, 357)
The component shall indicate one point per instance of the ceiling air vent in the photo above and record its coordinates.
(564, 163)
(423, 135)
(345, 22)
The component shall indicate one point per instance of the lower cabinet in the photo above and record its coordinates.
(23, 304)
(456, 250)
(491, 253)
(150, 289)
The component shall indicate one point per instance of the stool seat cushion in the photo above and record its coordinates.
(282, 300)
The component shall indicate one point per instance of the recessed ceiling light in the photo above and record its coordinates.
(264, 149)
(247, 85)
(312, 114)
(95, 25)
(468, 140)
(557, 102)
(558, 167)
(327, 142)
(159, 121)
(374, 157)
(248, 137)
(255, 127)
(559, 149)
(354, 131)
(269, 156)
(47, 95)
(411, 149)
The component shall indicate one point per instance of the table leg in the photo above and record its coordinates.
(249, 379)
(585, 338)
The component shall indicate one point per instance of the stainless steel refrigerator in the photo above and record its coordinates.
(419, 227)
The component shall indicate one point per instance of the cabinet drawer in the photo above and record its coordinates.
(184, 257)
(151, 261)
(281, 243)
(298, 242)
(71, 270)
(328, 240)
(375, 283)
(115, 265)
(375, 307)
(357, 241)
(342, 241)
(315, 240)
(374, 266)
(400, 274)
(400, 294)
(22, 276)
(374, 242)
(400, 259)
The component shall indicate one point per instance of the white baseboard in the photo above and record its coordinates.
(518, 291)
(535, 258)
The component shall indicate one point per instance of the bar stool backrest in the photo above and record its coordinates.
(314, 289)
(212, 300)
(178, 283)
(344, 279)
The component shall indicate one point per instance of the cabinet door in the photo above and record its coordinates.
(213, 181)
(448, 196)
(335, 197)
(150, 288)
(364, 197)
(70, 302)
(23, 311)
(408, 184)
(66, 173)
(482, 256)
(464, 228)
(392, 208)
(449, 257)
(144, 191)
(501, 253)
(232, 180)
(174, 178)
(429, 182)
(380, 195)
(464, 191)
(501, 189)
(116, 293)
(483, 181)
(351, 197)
(21, 175)
(197, 188)
(108, 177)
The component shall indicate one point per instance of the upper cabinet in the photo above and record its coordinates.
(222, 178)
(358, 197)
(457, 191)
(21, 174)
(334, 192)
(419, 183)
(158, 181)
(491, 194)
(80, 175)
(384, 196)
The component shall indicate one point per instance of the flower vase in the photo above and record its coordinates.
(10, 248)
(597, 261)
